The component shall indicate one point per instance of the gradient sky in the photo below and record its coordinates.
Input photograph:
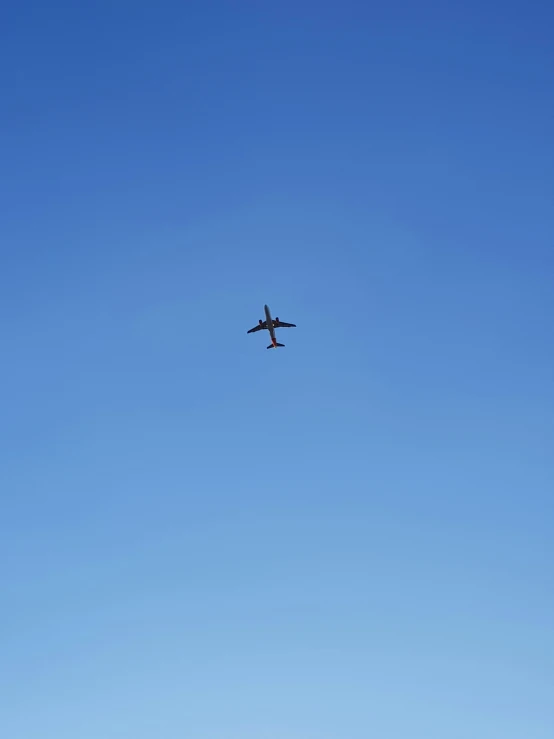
(349, 537)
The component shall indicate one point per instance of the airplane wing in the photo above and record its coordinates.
(282, 324)
(259, 327)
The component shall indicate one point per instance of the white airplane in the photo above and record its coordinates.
(271, 325)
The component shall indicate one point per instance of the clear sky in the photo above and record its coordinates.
(349, 537)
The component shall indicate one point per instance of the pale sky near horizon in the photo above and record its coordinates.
(348, 537)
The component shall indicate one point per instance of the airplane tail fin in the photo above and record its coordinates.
(272, 346)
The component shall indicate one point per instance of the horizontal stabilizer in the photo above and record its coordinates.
(272, 346)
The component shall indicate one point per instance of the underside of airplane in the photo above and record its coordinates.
(270, 325)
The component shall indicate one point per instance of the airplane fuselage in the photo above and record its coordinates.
(270, 324)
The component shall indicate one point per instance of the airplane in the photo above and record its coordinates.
(271, 325)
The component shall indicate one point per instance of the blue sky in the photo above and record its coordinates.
(351, 536)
